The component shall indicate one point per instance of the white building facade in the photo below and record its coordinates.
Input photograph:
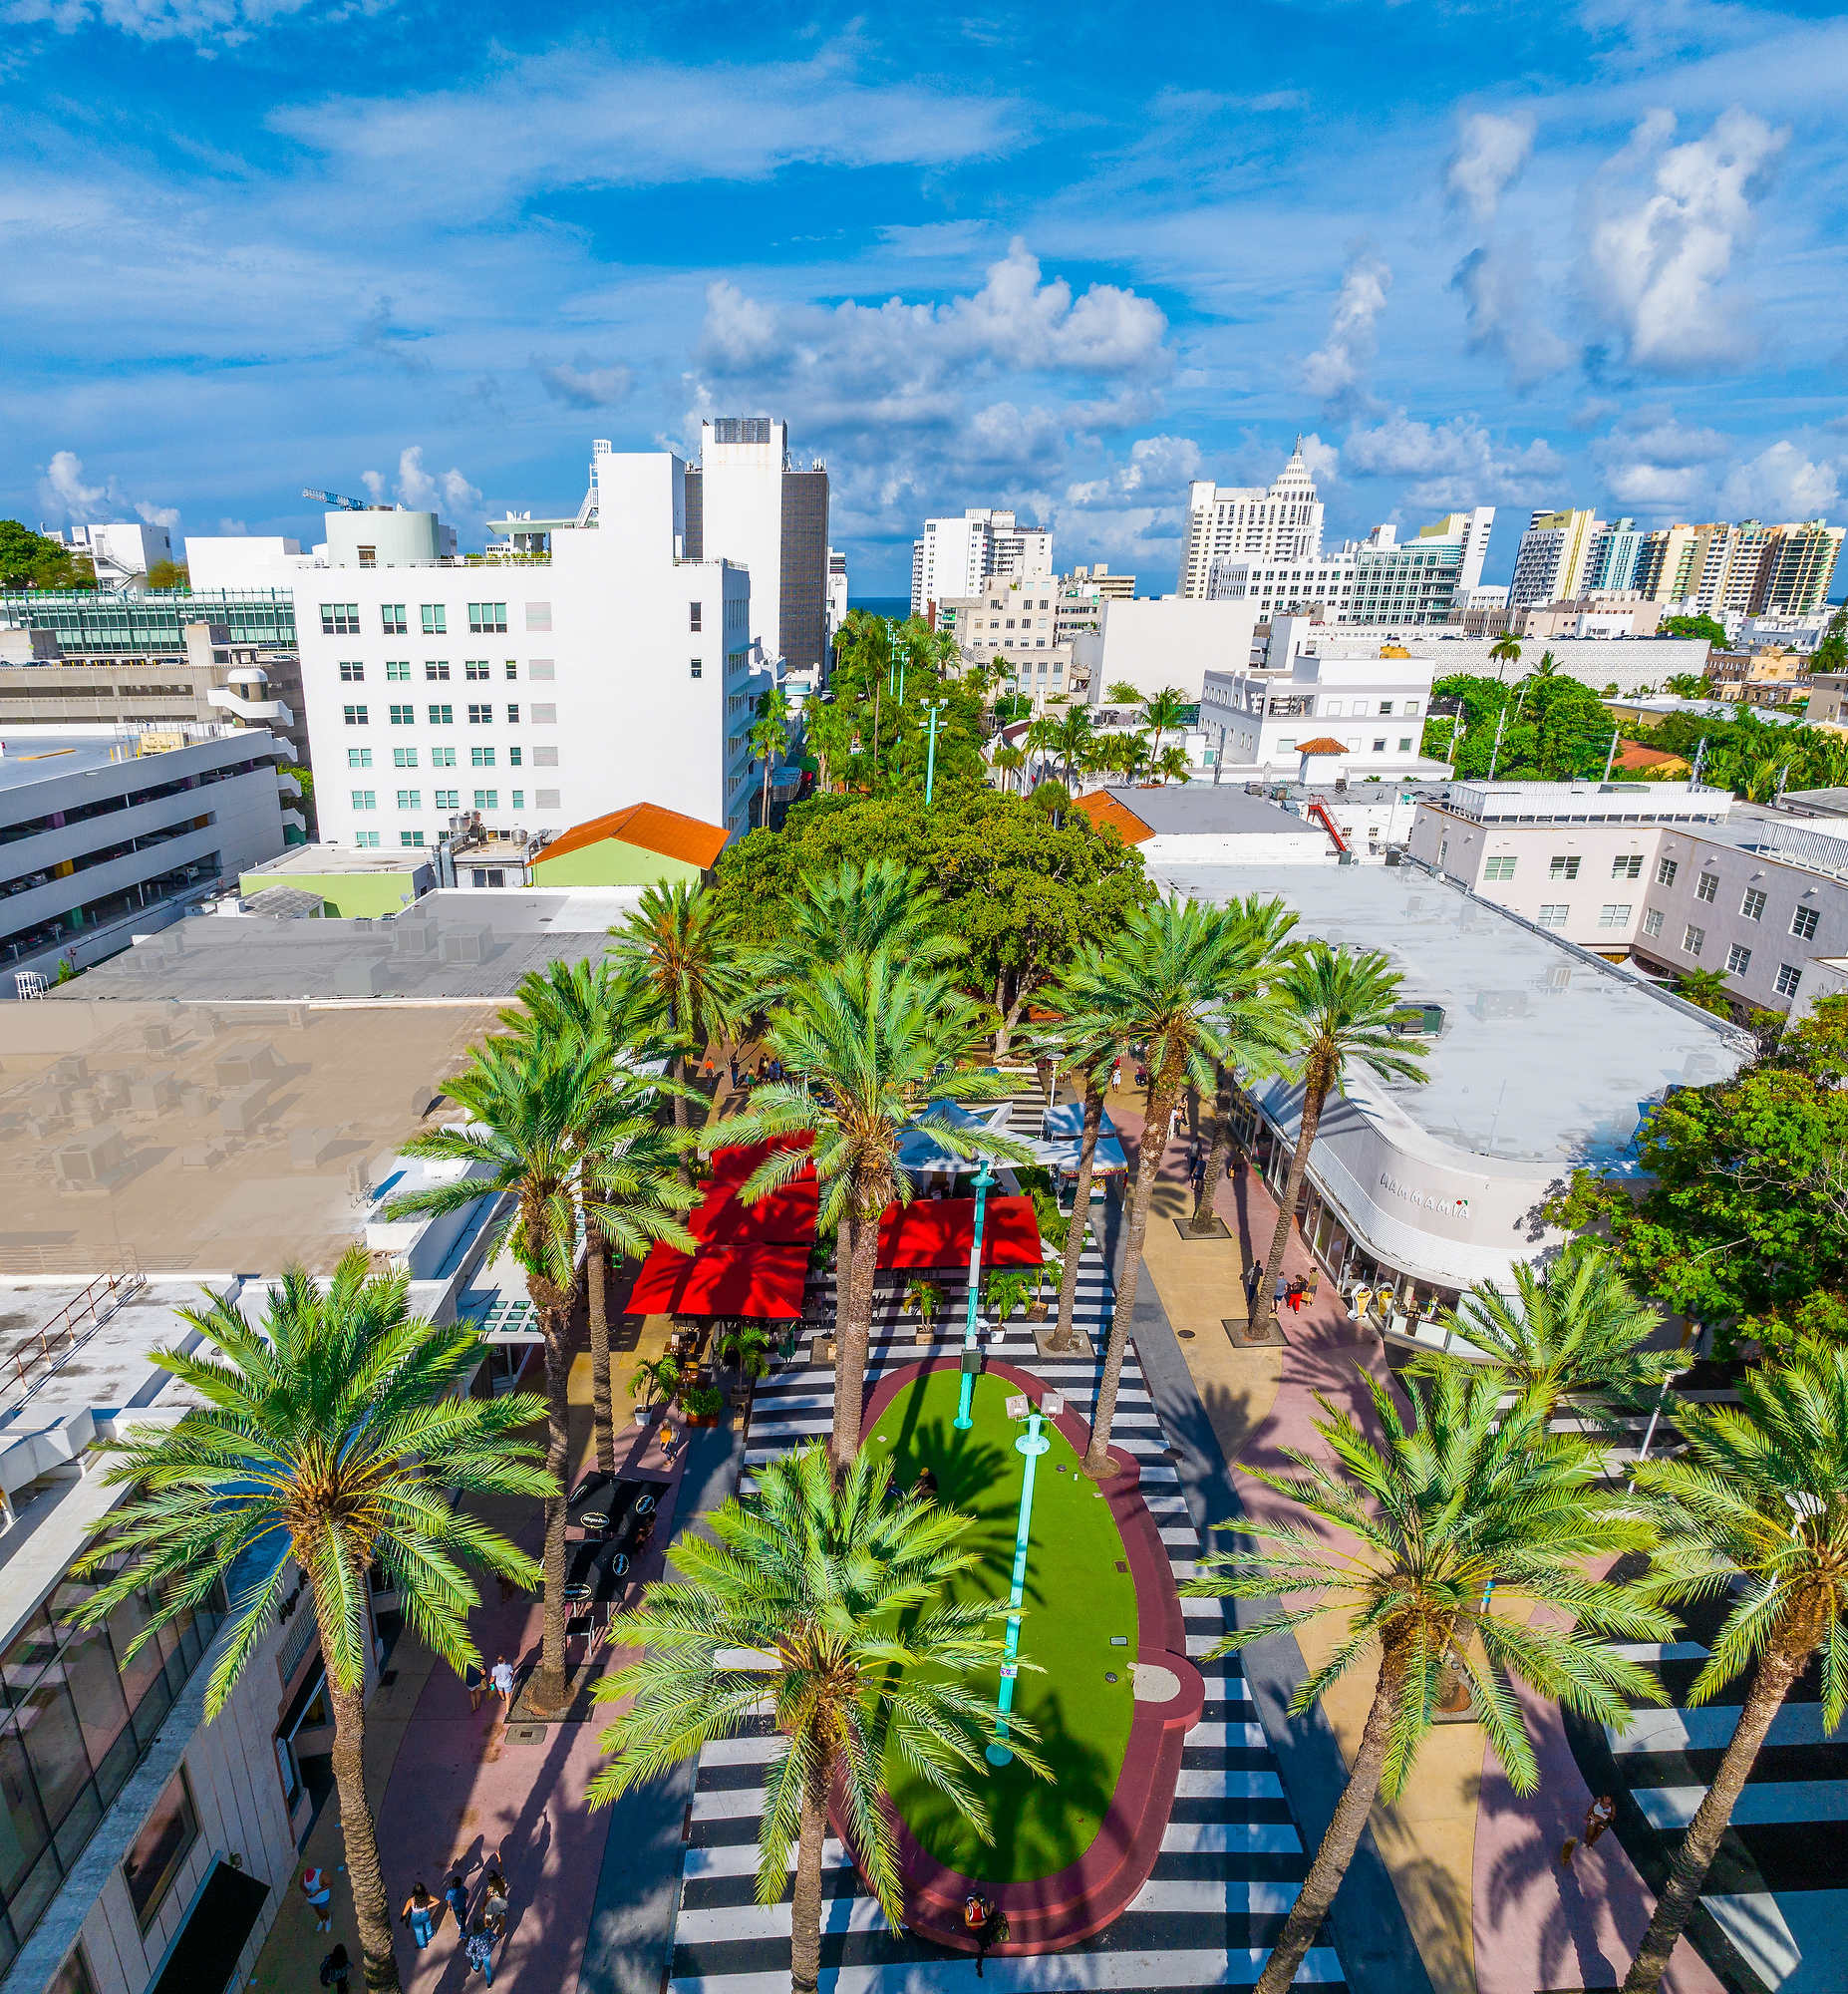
(1151, 642)
(1280, 522)
(1377, 581)
(953, 560)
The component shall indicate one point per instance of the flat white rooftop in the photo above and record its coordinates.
(1546, 1055)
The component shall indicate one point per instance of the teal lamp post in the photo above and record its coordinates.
(1031, 1443)
(972, 1354)
(934, 707)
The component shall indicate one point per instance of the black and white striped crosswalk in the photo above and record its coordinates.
(1230, 1860)
(1778, 1887)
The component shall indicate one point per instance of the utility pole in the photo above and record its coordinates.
(971, 1351)
(1495, 752)
(1219, 760)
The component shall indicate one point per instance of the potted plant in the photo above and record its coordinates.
(702, 1405)
(747, 1345)
(926, 1297)
(660, 1375)
(1007, 1293)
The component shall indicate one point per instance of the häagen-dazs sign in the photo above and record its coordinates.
(1446, 1207)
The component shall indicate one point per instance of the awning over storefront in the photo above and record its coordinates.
(939, 1232)
(1064, 1128)
(735, 1163)
(763, 1279)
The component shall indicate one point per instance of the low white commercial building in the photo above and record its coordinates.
(1540, 1059)
(103, 837)
(1628, 664)
(1671, 876)
(1150, 642)
(1321, 707)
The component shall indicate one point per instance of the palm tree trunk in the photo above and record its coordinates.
(1161, 1098)
(1218, 1156)
(358, 1833)
(1264, 1303)
(1770, 1684)
(596, 1274)
(1000, 1014)
(859, 1246)
(1081, 1211)
(805, 1900)
(548, 1688)
(1342, 1839)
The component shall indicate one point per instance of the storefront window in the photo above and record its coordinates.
(166, 1835)
(54, 1746)
(23, 1833)
(73, 1977)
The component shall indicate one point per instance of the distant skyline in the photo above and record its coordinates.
(1504, 254)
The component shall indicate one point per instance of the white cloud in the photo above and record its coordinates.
(1491, 149)
(1655, 464)
(1451, 464)
(1656, 255)
(221, 22)
(1504, 307)
(158, 515)
(1322, 459)
(235, 527)
(68, 494)
(1781, 484)
(1335, 372)
(446, 491)
(583, 384)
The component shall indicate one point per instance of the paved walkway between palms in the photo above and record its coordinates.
(1475, 1868)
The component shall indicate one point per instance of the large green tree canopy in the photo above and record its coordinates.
(1020, 889)
(1556, 728)
(1741, 1221)
(31, 560)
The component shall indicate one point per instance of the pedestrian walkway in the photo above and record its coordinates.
(1231, 1858)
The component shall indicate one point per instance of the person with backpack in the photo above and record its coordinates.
(335, 1969)
(419, 1913)
(479, 1949)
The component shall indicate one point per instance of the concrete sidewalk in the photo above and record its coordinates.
(1475, 1865)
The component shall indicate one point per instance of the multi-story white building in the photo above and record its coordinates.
(1353, 712)
(103, 835)
(1016, 621)
(749, 502)
(836, 594)
(1153, 642)
(1555, 552)
(120, 551)
(1280, 522)
(1671, 875)
(1378, 580)
(953, 560)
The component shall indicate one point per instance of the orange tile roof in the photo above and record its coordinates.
(1323, 744)
(688, 839)
(1633, 755)
(1102, 807)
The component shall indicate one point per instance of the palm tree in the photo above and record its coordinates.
(334, 1437)
(1706, 989)
(770, 737)
(535, 1113)
(1072, 733)
(1009, 761)
(1505, 650)
(676, 937)
(826, 1598)
(1162, 710)
(1453, 1524)
(1156, 983)
(1172, 765)
(1255, 1031)
(1345, 1007)
(747, 1345)
(1572, 1333)
(851, 909)
(1756, 1503)
(869, 1044)
(630, 1192)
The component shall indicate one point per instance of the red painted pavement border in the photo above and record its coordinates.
(1048, 1912)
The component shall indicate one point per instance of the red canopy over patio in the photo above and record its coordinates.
(735, 1162)
(786, 1216)
(938, 1233)
(751, 1280)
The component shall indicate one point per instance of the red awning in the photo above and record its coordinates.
(760, 1281)
(788, 1215)
(734, 1164)
(938, 1233)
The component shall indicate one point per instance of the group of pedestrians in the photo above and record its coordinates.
(422, 1912)
(1290, 1291)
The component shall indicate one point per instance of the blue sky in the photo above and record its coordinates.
(1065, 260)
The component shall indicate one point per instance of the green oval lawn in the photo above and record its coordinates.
(1079, 1595)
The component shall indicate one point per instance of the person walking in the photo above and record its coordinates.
(1597, 1817)
(475, 1681)
(1196, 1169)
(502, 1678)
(336, 1968)
(1280, 1294)
(1296, 1295)
(978, 1914)
(455, 1896)
(479, 1947)
(419, 1913)
(1253, 1275)
(316, 1889)
(496, 1899)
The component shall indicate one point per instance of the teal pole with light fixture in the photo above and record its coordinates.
(933, 708)
(972, 1353)
(1031, 1443)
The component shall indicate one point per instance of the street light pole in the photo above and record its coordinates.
(972, 1356)
(933, 708)
(1031, 1443)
